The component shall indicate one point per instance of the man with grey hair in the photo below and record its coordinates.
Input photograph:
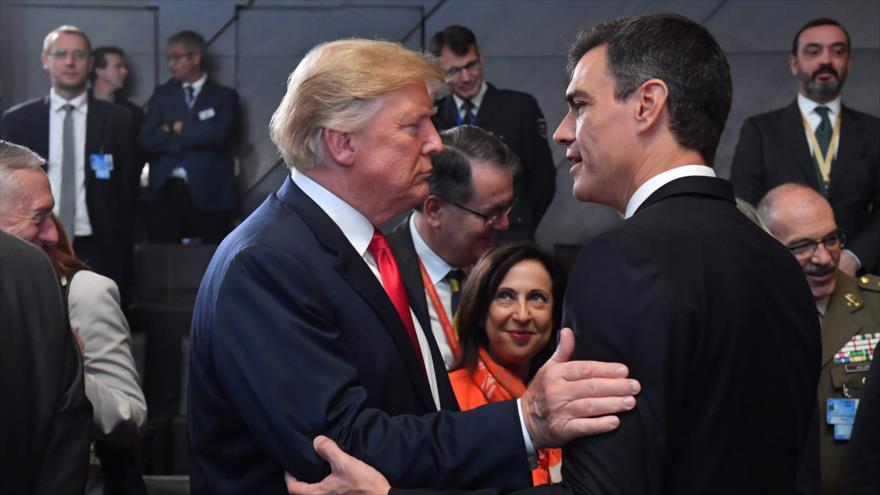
(848, 307)
(88, 144)
(471, 194)
(45, 419)
(302, 325)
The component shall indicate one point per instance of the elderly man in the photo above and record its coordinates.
(302, 325)
(471, 195)
(45, 418)
(687, 291)
(849, 308)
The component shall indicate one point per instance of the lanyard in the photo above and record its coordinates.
(823, 161)
(448, 330)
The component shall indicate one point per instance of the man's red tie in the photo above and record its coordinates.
(394, 286)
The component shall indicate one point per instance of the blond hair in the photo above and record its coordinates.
(66, 29)
(337, 86)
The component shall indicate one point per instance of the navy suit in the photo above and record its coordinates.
(294, 336)
(110, 202)
(203, 146)
(773, 150)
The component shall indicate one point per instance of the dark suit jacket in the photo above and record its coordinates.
(401, 243)
(860, 473)
(715, 319)
(45, 420)
(773, 150)
(294, 336)
(110, 202)
(516, 118)
(204, 146)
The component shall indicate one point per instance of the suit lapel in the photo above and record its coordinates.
(794, 135)
(43, 128)
(851, 143)
(94, 132)
(203, 96)
(488, 108)
(839, 324)
(352, 268)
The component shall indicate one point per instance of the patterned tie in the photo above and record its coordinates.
(469, 116)
(394, 286)
(455, 278)
(67, 204)
(190, 94)
(823, 130)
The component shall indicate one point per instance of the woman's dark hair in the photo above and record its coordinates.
(62, 254)
(479, 292)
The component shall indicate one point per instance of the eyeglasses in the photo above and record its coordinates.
(61, 53)
(454, 72)
(834, 240)
(174, 57)
(490, 218)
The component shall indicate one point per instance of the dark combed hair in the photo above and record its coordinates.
(681, 53)
(192, 40)
(452, 177)
(458, 39)
(822, 21)
(100, 55)
(480, 289)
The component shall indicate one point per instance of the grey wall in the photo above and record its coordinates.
(523, 43)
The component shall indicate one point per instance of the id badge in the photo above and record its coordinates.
(207, 113)
(102, 165)
(842, 414)
(843, 432)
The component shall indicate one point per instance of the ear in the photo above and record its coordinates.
(197, 59)
(339, 145)
(431, 210)
(793, 65)
(44, 59)
(652, 96)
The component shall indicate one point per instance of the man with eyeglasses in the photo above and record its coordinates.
(471, 194)
(513, 116)
(88, 143)
(189, 128)
(849, 310)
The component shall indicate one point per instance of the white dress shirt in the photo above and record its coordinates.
(437, 270)
(808, 109)
(359, 232)
(476, 101)
(82, 223)
(651, 185)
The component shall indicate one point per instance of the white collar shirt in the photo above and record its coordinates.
(358, 230)
(654, 183)
(196, 85)
(808, 109)
(81, 222)
(437, 270)
(476, 101)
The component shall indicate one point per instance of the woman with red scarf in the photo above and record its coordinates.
(509, 314)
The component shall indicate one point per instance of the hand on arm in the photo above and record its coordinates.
(348, 476)
(571, 399)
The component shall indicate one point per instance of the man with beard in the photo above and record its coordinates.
(849, 309)
(819, 142)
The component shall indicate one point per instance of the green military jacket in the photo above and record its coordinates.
(853, 312)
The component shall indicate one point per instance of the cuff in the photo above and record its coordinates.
(527, 440)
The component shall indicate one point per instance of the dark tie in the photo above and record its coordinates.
(190, 94)
(67, 204)
(455, 278)
(823, 130)
(469, 116)
(394, 286)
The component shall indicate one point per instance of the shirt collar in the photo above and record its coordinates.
(353, 224)
(197, 84)
(79, 103)
(822, 305)
(807, 106)
(651, 185)
(436, 267)
(476, 100)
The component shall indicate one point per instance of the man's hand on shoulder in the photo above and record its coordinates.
(348, 476)
(572, 399)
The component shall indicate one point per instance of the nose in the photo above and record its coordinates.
(565, 132)
(433, 144)
(821, 256)
(503, 222)
(521, 311)
(48, 234)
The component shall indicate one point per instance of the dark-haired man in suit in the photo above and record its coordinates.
(88, 146)
(513, 116)
(818, 141)
(189, 129)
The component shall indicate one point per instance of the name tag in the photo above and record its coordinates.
(102, 165)
(207, 114)
(842, 414)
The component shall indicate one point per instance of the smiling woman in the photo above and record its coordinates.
(509, 313)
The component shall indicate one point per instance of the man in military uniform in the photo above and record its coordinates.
(849, 309)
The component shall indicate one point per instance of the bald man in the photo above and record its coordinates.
(849, 309)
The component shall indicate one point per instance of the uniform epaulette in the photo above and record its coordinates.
(869, 282)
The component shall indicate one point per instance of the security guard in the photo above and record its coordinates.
(848, 307)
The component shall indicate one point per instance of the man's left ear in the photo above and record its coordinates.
(652, 96)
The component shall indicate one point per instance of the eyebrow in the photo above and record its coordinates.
(836, 44)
